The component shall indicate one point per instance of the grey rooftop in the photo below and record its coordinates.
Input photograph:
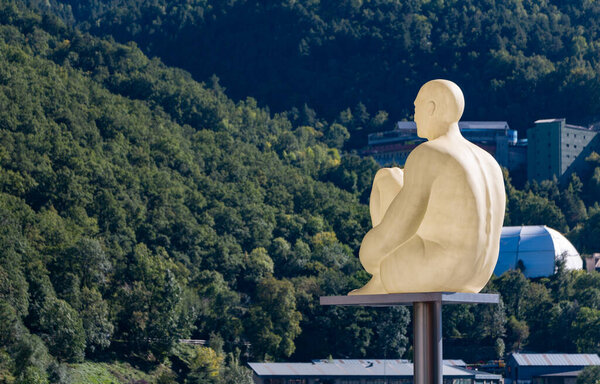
(391, 299)
(556, 359)
(349, 368)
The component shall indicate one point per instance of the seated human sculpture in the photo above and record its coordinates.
(437, 224)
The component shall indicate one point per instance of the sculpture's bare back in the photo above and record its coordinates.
(437, 225)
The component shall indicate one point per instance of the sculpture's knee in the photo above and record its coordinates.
(387, 184)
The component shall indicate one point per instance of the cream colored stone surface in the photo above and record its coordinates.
(437, 223)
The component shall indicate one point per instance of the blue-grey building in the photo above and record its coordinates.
(528, 368)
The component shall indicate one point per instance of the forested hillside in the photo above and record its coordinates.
(517, 60)
(140, 207)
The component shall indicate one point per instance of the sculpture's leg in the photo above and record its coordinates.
(419, 265)
(373, 287)
(403, 270)
(386, 185)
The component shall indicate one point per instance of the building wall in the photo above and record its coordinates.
(573, 142)
(557, 149)
(543, 151)
(577, 145)
(525, 374)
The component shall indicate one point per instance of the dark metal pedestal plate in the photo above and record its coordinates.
(427, 323)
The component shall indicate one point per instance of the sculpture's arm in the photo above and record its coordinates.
(404, 215)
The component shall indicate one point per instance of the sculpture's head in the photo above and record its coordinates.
(439, 104)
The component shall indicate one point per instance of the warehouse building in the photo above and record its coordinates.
(535, 249)
(367, 371)
(546, 368)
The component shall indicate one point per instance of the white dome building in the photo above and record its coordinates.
(538, 248)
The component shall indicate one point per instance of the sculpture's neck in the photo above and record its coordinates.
(451, 131)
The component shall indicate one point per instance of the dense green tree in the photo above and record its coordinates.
(147, 316)
(562, 315)
(202, 364)
(490, 322)
(517, 333)
(584, 236)
(586, 330)
(390, 336)
(220, 307)
(513, 286)
(589, 375)
(531, 209)
(537, 303)
(274, 321)
(95, 319)
(235, 372)
(62, 330)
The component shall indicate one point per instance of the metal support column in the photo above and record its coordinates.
(427, 323)
(427, 342)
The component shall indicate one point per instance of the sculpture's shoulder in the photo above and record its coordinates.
(463, 151)
(429, 150)
(438, 152)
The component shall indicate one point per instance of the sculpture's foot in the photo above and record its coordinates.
(373, 287)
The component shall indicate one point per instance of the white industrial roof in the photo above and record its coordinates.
(548, 120)
(538, 247)
(366, 367)
(556, 359)
(558, 120)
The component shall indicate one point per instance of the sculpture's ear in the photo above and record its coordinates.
(431, 107)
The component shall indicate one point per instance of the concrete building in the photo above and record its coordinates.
(535, 249)
(393, 147)
(556, 148)
(530, 368)
(367, 371)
